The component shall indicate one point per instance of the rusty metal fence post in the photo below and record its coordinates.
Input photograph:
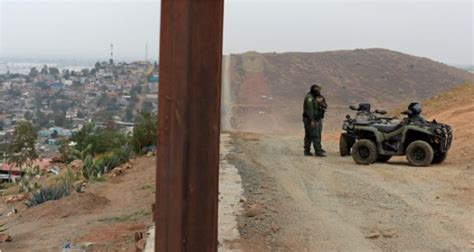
(189, 125)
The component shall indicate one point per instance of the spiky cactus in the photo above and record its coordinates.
(46, 194)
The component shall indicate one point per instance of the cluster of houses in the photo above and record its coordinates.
(59, 102)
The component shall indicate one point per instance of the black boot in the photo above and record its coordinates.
(320, 154)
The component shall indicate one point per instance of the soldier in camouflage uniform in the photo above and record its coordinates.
(314, 107)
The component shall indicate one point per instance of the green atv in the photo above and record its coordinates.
(378, 139)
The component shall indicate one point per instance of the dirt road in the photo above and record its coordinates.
(331, 204)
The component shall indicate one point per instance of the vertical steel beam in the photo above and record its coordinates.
(189, 125)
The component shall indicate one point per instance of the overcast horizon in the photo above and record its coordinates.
(83, 30)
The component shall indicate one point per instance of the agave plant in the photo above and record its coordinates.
(3, 228)
(88, 167)
(46, 194)
(95, 169)
(81, 154)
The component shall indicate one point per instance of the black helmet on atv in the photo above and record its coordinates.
(414, 109)
(364, 107)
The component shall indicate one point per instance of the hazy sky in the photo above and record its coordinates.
(441, 30)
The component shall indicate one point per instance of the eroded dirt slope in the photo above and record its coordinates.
(456, 108)
(107, 214)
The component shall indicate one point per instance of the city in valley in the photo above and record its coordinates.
(60, 101)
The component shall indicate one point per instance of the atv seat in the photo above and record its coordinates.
(359, 123)
(386, 128)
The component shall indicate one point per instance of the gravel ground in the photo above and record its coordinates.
(297, 203)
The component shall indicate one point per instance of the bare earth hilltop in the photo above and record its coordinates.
(263, 91)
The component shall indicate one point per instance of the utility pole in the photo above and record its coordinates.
(111, 51)
(146, 55)
(189, 125)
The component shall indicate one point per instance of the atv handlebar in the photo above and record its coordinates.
(377, 111)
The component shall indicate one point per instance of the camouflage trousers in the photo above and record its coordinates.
(312, 135)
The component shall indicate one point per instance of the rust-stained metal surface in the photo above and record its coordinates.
(189, 125)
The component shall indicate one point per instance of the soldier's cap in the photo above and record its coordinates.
(315, 86)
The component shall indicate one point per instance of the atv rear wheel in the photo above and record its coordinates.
(419, 153)
(364, 152)
(439, 157)
(344, 145)
(383, 158)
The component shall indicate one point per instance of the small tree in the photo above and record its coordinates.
(21, 150)
(44, 70)
(82, 135)
(33, 72)
(85, 71)
(67, 74)
(54, 70)
(144, 132)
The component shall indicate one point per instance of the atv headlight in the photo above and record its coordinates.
(344, 126)
(439, 131)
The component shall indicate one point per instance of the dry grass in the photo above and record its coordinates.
(456, 97)
(433, 105)
(456, 108)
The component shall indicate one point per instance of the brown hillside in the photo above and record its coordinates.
(456, 108)
(266, 89)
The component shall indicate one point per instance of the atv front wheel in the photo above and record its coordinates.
(344, 146)
(419, 153)
(439, 157)
(364, 152)
(383, 158)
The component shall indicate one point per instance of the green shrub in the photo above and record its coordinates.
(68, 178)
(103, 164)
(144, 132)
(46, 194)
(36, 170)
(102, 141)
(91, 141)
(69, 153)
(6, 185)
(26, 186)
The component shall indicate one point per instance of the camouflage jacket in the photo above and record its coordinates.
(310, 108)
